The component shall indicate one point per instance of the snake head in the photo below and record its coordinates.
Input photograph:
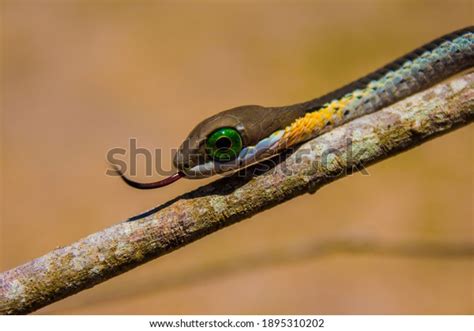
(221, 143)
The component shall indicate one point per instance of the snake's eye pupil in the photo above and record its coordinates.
(224, 144)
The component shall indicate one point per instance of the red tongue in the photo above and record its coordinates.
(148, 186)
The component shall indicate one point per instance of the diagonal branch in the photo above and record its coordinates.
(302, 250)
(349, 148)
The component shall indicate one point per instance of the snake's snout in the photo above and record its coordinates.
(193, 165)
(180, 161)
(188, 156)
(184, 162)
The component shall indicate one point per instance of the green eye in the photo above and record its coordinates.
(224, 144)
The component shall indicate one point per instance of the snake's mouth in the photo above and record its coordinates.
(199, 171)
(209, 169)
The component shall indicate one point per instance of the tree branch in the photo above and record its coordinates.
(349, 148)
(303, 249)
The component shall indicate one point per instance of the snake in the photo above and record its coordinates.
(239, 137)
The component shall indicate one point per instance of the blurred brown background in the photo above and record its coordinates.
(81, 77)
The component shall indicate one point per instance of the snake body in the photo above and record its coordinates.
(266, 131)
(407, 75)
(249, 134)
